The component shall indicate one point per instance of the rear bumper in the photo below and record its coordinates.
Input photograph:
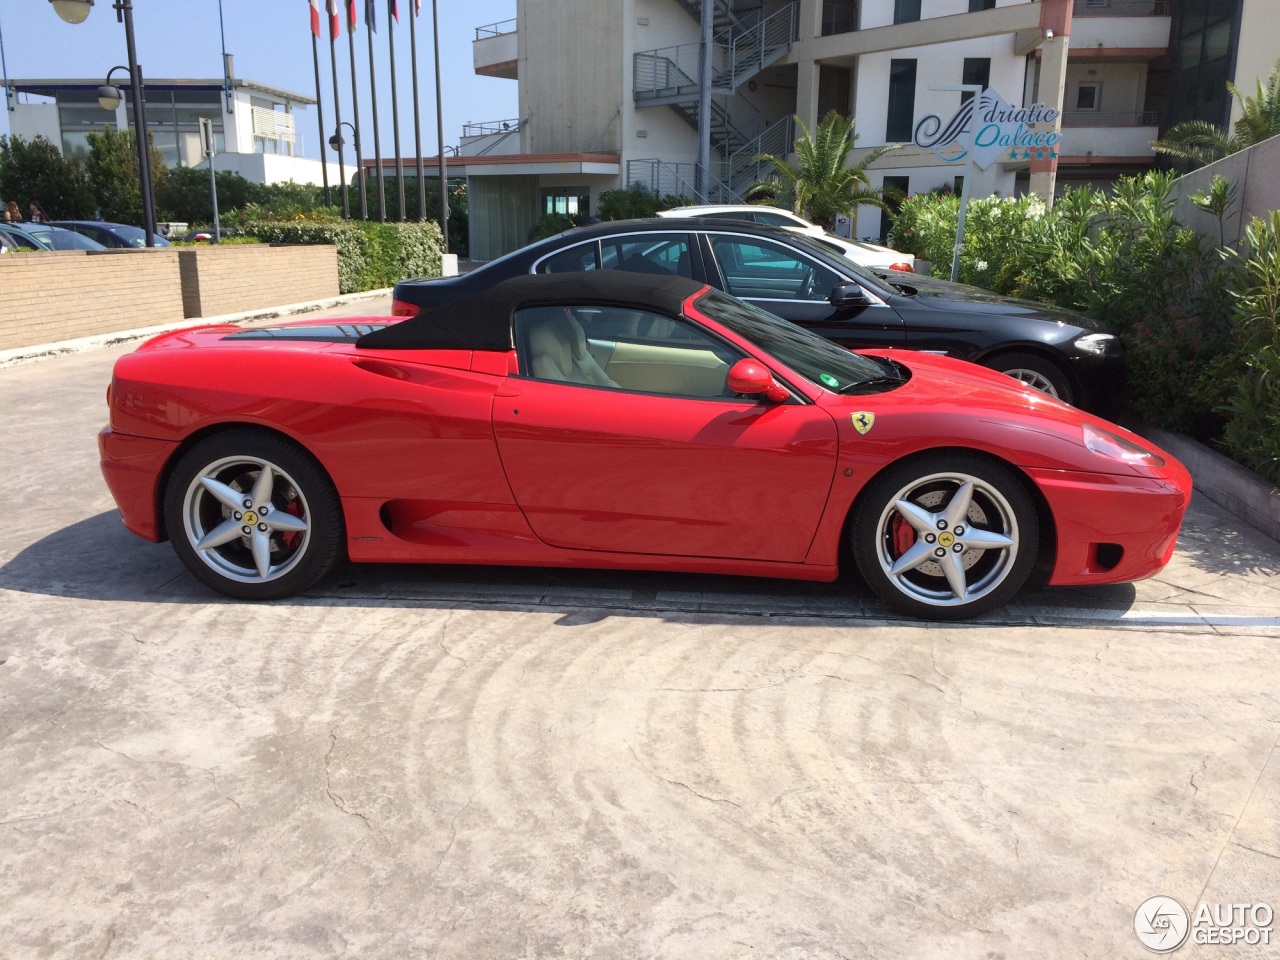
(132, 467)
(1097, 513)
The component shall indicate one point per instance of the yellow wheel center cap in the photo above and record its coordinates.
(251, 518)
(946, 538)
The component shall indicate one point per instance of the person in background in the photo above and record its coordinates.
(37, 215)
(11, 212)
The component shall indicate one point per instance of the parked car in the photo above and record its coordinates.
(621, 421)
(1065, 354)
(862, 252)
(56, 238)
(111, 234)
(16, 238)
(205, 234)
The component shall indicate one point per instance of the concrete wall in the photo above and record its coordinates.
(52, 296)
(217, 280)
(1255, 171)
(1258, 52)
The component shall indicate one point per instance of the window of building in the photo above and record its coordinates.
(976, 5)
(977, 71)
(839, 16)
(1089, 96)
(906, 11)
(565, 201)
(902, 101)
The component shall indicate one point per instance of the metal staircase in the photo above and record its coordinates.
(744, 46)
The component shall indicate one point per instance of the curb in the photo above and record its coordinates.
(1237, 489)
(60, 348)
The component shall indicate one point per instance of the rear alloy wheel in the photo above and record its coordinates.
(946, 536)
(253, 516)
(1036, 372)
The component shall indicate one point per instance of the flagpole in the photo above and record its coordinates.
(417, 120)
(371, 24)
(337, 119)
(395, 108)
(324, 166)
(355, 109)
(444, 178)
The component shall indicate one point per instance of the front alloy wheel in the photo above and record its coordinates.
(946, 536)
(253, 516)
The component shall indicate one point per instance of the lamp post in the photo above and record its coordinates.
(336, 142)
(75, 11)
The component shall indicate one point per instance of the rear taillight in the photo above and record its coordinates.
(904, 267)
(403, 308)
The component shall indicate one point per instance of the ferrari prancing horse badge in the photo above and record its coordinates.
(863, 421)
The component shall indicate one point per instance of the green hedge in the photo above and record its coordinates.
(370, 255)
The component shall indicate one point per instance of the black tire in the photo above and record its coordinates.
(211, 498)
(1036, 372)
(1000, 511)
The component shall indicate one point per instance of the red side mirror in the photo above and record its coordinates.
(750, 377)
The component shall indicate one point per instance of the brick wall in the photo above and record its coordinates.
(62, 295)
(217, 280)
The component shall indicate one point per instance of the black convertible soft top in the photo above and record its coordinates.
(483, 320)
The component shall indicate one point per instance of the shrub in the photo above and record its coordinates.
(112, 169)
(636, 201)
(370, 255)
(35, 170)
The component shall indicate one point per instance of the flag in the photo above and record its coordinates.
(351, 16)
(335, 27)
(315, 18)
(371, 15)
(417, 7)
(395, 9)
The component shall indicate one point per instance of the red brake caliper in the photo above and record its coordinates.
(902, 534)
(291, 539)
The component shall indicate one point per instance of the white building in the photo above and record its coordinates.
(608, 90)
(254, 124)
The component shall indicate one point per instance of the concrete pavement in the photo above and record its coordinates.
(436, 762)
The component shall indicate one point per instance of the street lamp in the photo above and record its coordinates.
(75, 11)
(336, 142)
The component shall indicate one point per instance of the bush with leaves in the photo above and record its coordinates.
(112, 169)
(183, 194)
(35, 170)
(636, 201)
(370, 255)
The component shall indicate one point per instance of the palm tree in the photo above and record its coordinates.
(822, 180)
(1202, 142)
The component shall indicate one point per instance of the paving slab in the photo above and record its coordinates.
(492, 762)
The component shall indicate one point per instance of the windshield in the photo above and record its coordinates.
(808, 354)
(856, 270)
(136, 236)
(59, 239)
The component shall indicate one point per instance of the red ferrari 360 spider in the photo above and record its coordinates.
(621, 421)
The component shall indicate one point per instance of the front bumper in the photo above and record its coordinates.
(133, 468)
(1114, 529)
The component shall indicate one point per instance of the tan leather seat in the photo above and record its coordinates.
(558, 348)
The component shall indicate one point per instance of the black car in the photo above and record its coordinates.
(1063, 353)
(111, 234)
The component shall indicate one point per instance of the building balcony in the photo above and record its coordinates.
(496, 49)
(497, 137)
(1102, 137)
(1120, 29)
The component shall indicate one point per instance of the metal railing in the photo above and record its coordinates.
(677, 179)
(489, 126)
(1121, 8)
(1090, 118)
(741, 168)
(496, 29)
(750, 51)
(665, 71)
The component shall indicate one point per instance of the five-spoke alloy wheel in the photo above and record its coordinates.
(946, 536)
(1035, 372)
(253, 515)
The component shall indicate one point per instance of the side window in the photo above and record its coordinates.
(573, 260)
(776, 220)
(758, 269)
(657, 253)
(622, 349)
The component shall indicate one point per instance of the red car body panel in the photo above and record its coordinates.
(449, 456)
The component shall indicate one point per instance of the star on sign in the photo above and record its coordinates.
(1039, 154)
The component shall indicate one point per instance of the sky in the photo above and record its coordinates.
(271, 41)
